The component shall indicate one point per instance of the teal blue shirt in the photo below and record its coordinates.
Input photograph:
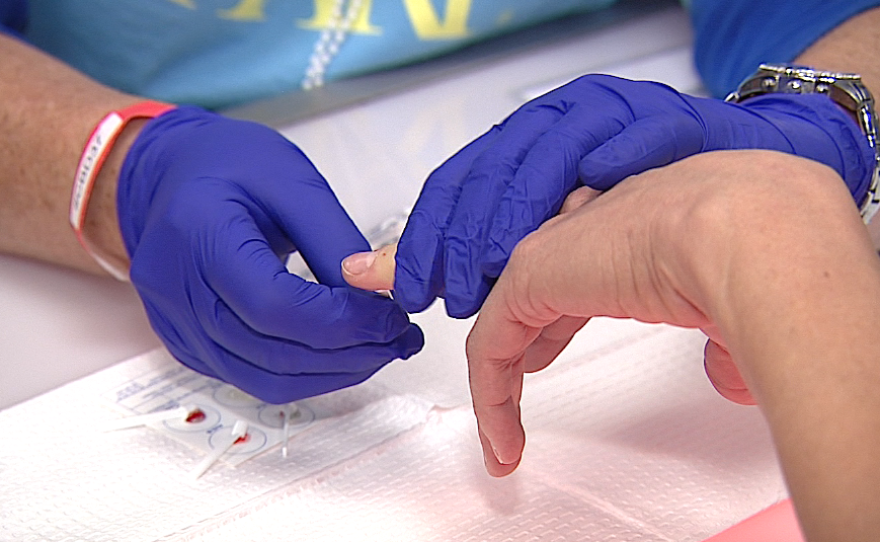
(733, 37)
(217, 53)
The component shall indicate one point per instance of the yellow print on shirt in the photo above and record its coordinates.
(244, 10)
(426, 21)
(427, 24)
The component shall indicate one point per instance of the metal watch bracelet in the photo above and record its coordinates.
(845, 89)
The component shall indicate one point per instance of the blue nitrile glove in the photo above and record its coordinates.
(594, 131)
(208, 207)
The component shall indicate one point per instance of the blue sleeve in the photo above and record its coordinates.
(13, 16)
(732, 37)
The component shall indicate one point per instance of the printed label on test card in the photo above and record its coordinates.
(216, 406)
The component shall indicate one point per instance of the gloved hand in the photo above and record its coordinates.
(208, 207)
(594, 131)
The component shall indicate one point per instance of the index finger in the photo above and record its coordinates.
(496, 350)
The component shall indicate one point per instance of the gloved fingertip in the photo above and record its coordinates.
(396, 321)
(417, 277)
(465, 300)
(462, 308)
(411, 342)
(596, 173)
(494, 265)
(411, 292)
(409, 303)
(498, 250)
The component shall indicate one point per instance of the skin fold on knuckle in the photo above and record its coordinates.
(505, 327)
(528, 293)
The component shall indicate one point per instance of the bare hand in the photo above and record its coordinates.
(707, 242)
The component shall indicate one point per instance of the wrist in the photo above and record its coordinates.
(861, 169)
(788, 231)
(93, 213)
(101, 223)
(752, 210)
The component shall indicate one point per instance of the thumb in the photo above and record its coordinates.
(375, 270)
(724, 375)
(371, 270)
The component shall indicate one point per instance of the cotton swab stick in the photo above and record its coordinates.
(239, 430)
(286, 429)
(180, 412)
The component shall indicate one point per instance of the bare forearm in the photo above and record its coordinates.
(851, 47)
(831, 419)
(800, 302)
(47, 112)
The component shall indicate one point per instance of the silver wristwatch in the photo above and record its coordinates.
(845, 89)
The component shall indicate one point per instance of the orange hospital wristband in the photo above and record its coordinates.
(97, 148)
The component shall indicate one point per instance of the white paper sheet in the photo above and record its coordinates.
(65, 479)
(626, 441)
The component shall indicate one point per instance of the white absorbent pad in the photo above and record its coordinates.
(625, 442)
